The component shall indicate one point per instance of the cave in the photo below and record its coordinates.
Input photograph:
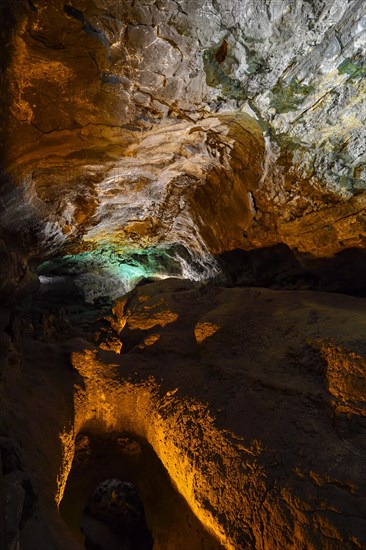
(119, 494)
(183, 275)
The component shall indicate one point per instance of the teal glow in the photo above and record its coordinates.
(110, 271)
(108, 260)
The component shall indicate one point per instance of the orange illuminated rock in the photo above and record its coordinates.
(248, 429)
(151, 317)
(204, 330)
(111, 344)
(346, 378)
(257, 426)
(151, 339)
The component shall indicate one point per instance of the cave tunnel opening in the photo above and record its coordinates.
(109, 271)
(119, 495)
(114, 517)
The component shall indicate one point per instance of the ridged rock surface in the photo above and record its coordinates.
(253, 400)
(92, 87)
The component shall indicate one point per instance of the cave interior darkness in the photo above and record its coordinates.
(183, 275)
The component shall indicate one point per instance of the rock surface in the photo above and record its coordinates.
(216, 140)
(251, 398)
(138, 107)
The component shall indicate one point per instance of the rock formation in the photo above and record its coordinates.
(183, 193)
(252, 399)
(112, 104)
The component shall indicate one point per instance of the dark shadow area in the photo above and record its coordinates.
(17, 498)
(115, 511)
(280, 267)
(14, 276)
(11, 12)
(116, 481)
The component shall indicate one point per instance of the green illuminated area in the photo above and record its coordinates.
(109, 260)
(110, 271)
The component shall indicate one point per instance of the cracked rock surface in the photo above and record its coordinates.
(89, 83)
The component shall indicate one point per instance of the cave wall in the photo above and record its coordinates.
(90, 83)
(252, 399)
(164, 134)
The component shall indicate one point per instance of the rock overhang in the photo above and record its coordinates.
(117, 113)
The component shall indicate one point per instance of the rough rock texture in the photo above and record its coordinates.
(93, 86)
(164, 189)
(253, 400)
(144, 139)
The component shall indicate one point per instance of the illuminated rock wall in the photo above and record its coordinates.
(253, 400)
(143, 139)
(125, 126)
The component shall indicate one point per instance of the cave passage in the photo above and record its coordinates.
(118, 460)
(114, 517)
(183, 257)
(110, 271)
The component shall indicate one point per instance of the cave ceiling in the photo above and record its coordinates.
(169, 126)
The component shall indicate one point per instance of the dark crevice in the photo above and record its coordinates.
(73, 12)
(32, 6)
(115, 481)
(87, 26)
(280, 267)
(221, 53)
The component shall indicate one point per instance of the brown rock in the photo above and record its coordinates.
(260, 425)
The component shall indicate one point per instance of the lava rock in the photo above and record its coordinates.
(117, 504)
